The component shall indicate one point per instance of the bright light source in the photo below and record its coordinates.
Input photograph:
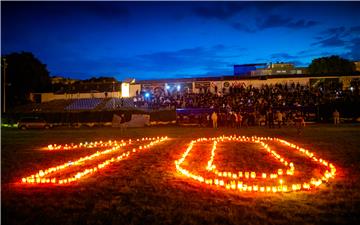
(351, 88)
(178, 87)
(167, 87)
(125, 90)
(236, 181)
(147, 95)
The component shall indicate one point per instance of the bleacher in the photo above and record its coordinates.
(55, 105)
(84, 104)
(94, 104)
(117, 103)
(51, 106)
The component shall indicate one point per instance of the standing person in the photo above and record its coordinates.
(228, 119)
(222, 119)
(240, 118)
(279, 118)
(271, 118)
(208, 120)
(214, 118)
(245, 120)
(284, 118)
(233, 119)
(336, 116)
(299, 123)
(236, 121)
(122, 121)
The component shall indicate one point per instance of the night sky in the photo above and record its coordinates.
(150, 40)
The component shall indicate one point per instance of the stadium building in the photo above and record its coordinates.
(245, 75)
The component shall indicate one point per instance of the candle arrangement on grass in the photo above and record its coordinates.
(246, 180)
(248, 174)
(44, 176)
(90, 144)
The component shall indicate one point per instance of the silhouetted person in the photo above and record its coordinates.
(299, 123)
(336, 116)
(214, 118)
(271, 119)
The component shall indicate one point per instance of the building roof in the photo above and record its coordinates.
(232, 77)
(252, 64)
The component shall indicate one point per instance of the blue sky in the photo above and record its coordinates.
(152, 40)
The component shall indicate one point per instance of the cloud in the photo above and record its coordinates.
(274, 21)
(175, 60)
(283, 56)
(113, 11)
(214, 60)
(339, 32)
(267, 6)
(331, 42)
(337, 37)
(67, 10)
(354, 48)
(334, 31)
(220, 11)
(192, 56)
(200, 61)
(314, 53)
(225, 11)
(355, 29)
(242, 27)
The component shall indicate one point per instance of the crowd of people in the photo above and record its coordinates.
(238, 106)
(235, 98)
(271, 118)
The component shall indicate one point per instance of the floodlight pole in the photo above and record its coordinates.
(4, 84)
(113, 89)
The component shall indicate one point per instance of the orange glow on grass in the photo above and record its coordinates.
(233, 182)
(43, 176)
(247, 174)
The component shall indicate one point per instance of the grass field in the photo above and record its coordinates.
(146, 188)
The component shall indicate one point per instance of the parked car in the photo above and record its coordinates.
(33, 122)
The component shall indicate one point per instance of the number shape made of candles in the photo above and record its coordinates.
(256, 181)
(107, 154)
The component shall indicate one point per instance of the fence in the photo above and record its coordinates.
(88, 117)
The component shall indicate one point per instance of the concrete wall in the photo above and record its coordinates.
(46, 97)
(134, 88)
(346, 81)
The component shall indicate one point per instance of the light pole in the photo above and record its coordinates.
(113, 89)
(4, 84)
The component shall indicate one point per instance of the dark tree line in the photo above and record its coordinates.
(24, 73)
(331, 65)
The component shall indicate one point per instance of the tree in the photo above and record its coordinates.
(100, 80)
(331, 65)
(24, 74)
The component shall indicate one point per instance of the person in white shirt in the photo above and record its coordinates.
(214, 118)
